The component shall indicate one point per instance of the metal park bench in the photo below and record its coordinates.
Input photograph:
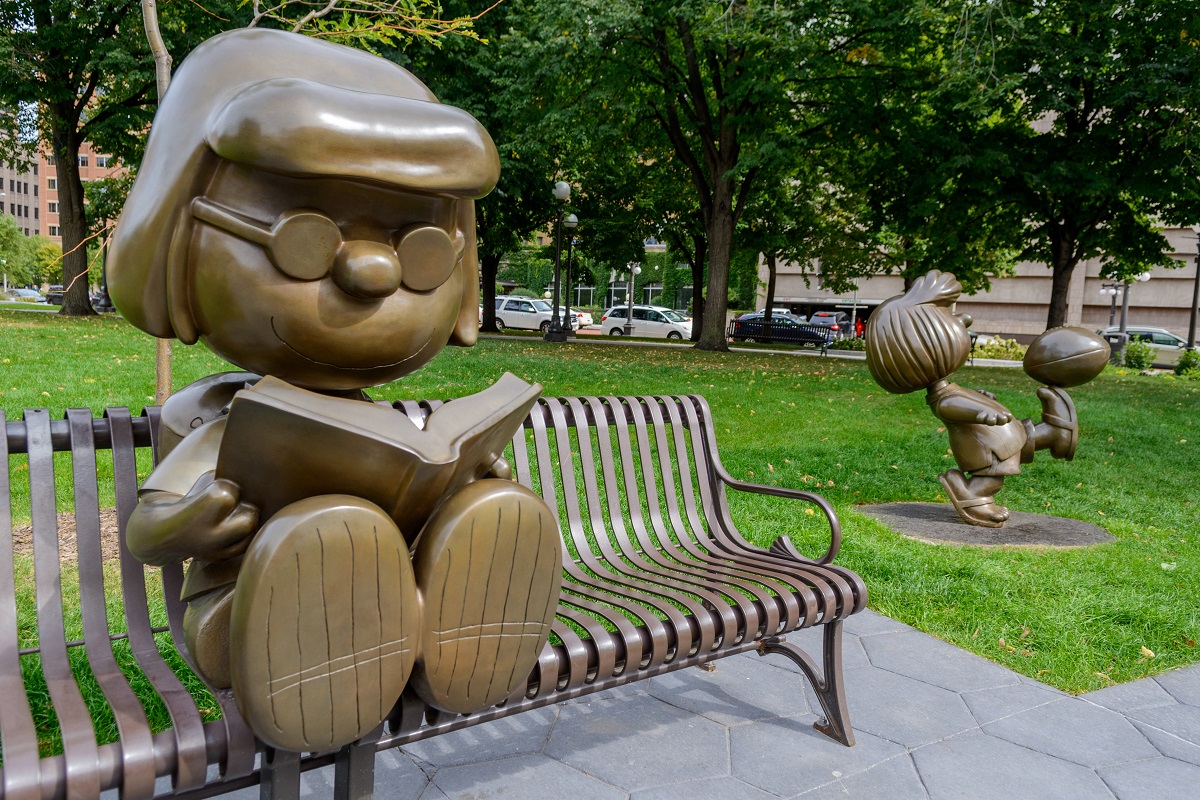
(656, 578)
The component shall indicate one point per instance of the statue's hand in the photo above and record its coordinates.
(993, 417)
(209, 522)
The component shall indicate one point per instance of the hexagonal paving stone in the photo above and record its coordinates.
(989, 705)
(522, 734)
(904, 710)
(1156, 779)
(724, 788)
(1182, 683)
(639, 742)
(926, 658)
(786, 756)
(1174, 730)
(895, 778)
(869, 623)
(527, 777)
(1075, 730)
(1128, 697)
(739, 690)
(981, 767)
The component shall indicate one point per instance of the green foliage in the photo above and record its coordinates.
(47, 260)
(854, 343)
(1137, 355)
(530, 266)
(17, 252)
(521, 291)
(1188, 364)
(1003, 349)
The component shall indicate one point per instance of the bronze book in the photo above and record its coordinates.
(283, 444)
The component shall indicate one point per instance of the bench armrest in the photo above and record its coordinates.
(783, 543)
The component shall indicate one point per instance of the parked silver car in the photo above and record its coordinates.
(1166, 345)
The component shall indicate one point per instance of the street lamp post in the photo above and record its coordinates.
(1195, 295)
(570, 223)
(562, 191)
(1110, 290)
(634, 269)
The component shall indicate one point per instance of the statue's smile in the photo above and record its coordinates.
(419, 351)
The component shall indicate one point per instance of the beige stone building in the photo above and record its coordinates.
(1016, 307)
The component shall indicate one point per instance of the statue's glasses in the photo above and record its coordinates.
(304, 244)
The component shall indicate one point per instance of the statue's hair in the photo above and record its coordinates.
(912, 340)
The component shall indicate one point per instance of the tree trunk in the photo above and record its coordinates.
(1062, 247)
(72, 222)
(771, 266)
(699, 259)
(489, 265)
(720, 248)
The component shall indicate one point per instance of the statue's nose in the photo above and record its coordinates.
(366, 269)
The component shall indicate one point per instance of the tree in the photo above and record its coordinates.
(1101, 105)
(16, 253)
(469, 72)
(84, 66)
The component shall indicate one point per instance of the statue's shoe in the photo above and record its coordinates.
(323, 631)
(488, 566)
(1058, 410)
(972, 510)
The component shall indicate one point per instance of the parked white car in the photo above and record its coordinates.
(527, 313)
(582, 318)
(654, 321)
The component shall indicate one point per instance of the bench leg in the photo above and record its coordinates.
(280, 775)
(354, 773)
(827, 682)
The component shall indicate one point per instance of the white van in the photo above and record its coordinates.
(652, 321)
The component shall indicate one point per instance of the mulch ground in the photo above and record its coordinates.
(109, 546)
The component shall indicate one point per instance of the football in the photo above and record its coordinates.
(1066, 357)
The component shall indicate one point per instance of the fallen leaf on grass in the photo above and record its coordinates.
(1147, 652)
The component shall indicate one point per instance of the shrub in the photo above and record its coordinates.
(523, 292)
(1004, 349)
(848, 344)
(1138, 355)
(1188, 364)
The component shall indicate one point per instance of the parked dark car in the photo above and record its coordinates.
(784, 329)
(55, 295)
(836, 321)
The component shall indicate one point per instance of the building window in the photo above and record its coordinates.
(50, 161)
(52, 183)
(35, 188)
(52, 208)
(35, 212)
(53, 230)
(102, 161)
(83, 161)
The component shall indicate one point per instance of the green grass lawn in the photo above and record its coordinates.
(1076, 619)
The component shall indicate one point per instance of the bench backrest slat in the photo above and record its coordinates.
(79, 740)
(186, 725)
(17, 730)
(137, 773)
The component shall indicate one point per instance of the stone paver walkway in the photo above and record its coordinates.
(931, 720)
